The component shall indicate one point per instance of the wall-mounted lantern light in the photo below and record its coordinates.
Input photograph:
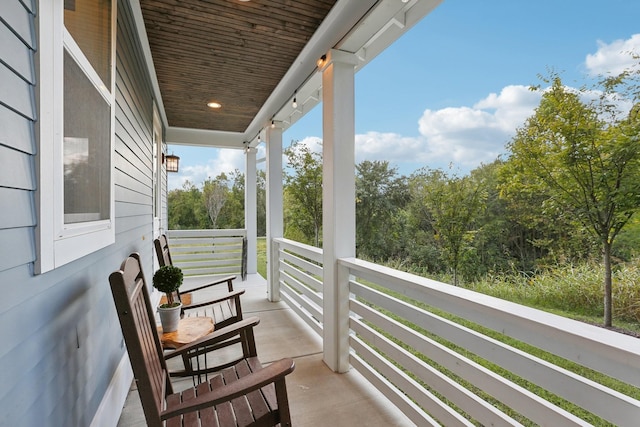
(172, 162)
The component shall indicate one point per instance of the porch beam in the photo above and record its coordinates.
(338, 201)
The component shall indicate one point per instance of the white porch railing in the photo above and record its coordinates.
(446, 355)
(300, 279)
(209, 252)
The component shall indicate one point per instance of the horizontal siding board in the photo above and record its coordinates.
(134, 101)
(134, 67)
(124, 194)
(124, 209)
(12, 295)
(17, 169)
(134, 184)
(136, 137)
(16, 208)
(129, 150)
(16, 131)
(133, 223)
(59, 361)
(16, 93)
(56, 363)
(14, 54)
(18, 247)
(19, 19)
(139, 112)
(30, 5)
(126, 163)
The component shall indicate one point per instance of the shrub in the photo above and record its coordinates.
(168, 279)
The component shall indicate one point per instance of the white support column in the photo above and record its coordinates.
(251, 210)
(338, 201)
(275, 210)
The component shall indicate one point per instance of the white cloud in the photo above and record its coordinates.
(469, 136)
(313, 143)
(225, 161)
(388, 146)
(613, 58)
(464, 136)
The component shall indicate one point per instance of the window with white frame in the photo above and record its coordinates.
(76, 129)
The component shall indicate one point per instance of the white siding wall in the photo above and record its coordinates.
(61, 341)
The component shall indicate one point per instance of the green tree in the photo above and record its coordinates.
(380, 196)
(454, 204)
(494, 230)
(232, 213)
(185, 208)
(539, 234)
(588, 160)
(261, 196)
(304, 190)
(214, 195)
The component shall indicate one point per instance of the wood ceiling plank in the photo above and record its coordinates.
(236, 53)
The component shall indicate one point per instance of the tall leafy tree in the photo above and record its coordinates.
(232, 213)
(186, 210)
(380, 197)
(304, 188)
(588, 159)
(454, 204)
(493, 228)
(261, 196)
(215, 193)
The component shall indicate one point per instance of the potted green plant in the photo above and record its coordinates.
(168, 279)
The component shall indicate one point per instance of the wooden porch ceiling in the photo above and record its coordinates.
(229, 51)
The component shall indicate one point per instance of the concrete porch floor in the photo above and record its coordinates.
(317, 396)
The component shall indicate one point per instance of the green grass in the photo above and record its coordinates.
(572, 291)
(262, 256)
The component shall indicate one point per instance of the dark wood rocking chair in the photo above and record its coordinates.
(224, 310)
(242, 393)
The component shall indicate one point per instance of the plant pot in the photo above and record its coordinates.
(169, 318)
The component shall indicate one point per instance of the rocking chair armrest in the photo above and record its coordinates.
(219, 281)
(234, 294)
(215, 337)
(273, 373)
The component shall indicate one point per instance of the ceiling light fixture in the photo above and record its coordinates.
(273, 124)
(214, 105)
(294, 104)
(321, 61)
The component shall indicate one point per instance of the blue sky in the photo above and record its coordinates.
(453, 90)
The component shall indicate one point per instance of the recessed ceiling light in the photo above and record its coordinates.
(214, 105)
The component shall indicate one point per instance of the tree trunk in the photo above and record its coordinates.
(608, 304)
